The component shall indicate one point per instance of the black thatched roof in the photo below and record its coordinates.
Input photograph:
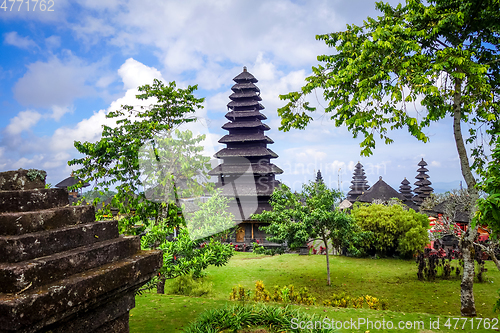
(70, 181)
(246, 152)
(241, 94)
(245, 77)
(251, 189)
(246, 124)
(462, 215)
(245, 86)
(261, 169)
(244, 137)
(380, 190)
(233, 115)
(245, 103)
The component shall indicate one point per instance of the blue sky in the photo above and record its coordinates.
(62, 71)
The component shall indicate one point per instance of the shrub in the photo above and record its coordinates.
(188, 286)
(358, 302)
(373, 302)
(285, 294)
(236, 317)
(338, 300)
(394, 229)
(240, 294)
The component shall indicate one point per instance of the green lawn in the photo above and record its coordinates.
(394, 280)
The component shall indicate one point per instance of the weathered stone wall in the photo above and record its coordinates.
(60, 270)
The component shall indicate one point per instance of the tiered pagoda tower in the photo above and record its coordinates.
(423, 189)
(359, 184)
(405, 189)
(246, 171)
(319, 177)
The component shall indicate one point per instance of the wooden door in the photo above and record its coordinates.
(240, 235)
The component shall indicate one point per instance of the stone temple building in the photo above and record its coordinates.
(246, 171)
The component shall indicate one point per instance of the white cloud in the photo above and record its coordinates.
(135, 74)
(22, 122)
(86, 130)
(54, 82)
(53, 42)
(92, 29)
(58, 112)
(436, 164)
(27, 163)
(12, 38)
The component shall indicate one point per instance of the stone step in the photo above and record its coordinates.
(43, 243)
(20, 223)
(35, 273)
(78, 292)
(111, 317)
(22, 180)
(30, 200)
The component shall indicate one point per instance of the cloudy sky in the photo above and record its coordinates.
(63, 70)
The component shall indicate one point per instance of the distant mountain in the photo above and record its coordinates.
(442, 187)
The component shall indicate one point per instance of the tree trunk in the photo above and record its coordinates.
(327, 261)
(160, 286)
(491, 252)
(468, 307)
(495, 260)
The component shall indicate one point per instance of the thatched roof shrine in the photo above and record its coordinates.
(381, 191)
(70, 181)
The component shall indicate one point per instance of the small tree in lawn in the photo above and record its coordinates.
(192, 251)
(298, 218)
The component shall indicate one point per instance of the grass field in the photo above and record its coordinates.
(391, 279)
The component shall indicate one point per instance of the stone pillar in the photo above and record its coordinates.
(60, 270)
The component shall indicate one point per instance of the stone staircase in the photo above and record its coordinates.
(60, 270)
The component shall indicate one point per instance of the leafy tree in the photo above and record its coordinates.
(193, 250)
(183, 255)
(114, 159)
(442, 54)
(488, 213)
(93, 194)
(394, 229)
(131, 156)
(213, 218)
(297, 218)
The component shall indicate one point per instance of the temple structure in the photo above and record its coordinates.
(246, 172)
(319, 177)
(405, 189)
(381, 191)
(423, 189)
(359, 184)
